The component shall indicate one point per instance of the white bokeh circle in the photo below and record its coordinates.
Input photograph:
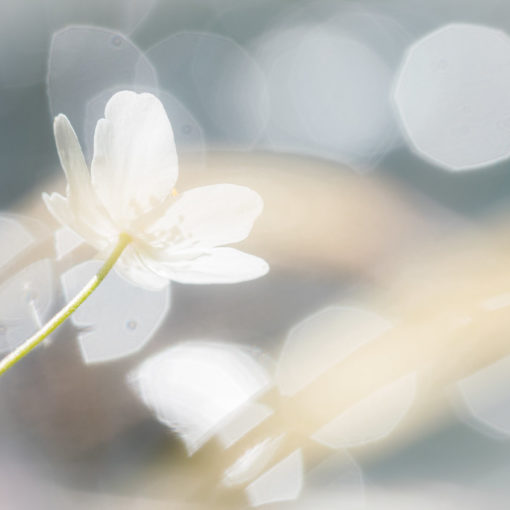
(452, 96)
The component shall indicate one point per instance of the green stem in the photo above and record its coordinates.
(21, 351)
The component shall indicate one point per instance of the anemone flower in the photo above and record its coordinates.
(128, 209)
(130, 190)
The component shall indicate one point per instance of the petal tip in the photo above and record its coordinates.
(127, 98)
(60, 120)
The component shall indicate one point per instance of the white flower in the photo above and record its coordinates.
(130, 189)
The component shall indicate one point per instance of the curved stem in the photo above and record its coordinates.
(21, 351)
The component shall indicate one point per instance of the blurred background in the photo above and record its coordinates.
(371, 367)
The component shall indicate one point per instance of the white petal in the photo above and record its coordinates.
(81, 211)
(62, 211)
(71, 156)
(133, 269)
(135, 162)
(220, 265)
(209, 216)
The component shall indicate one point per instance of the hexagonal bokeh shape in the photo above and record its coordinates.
(452, 95)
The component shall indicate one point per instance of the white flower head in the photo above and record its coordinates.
(130, 190)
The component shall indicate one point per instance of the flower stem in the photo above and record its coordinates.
(21, 351)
